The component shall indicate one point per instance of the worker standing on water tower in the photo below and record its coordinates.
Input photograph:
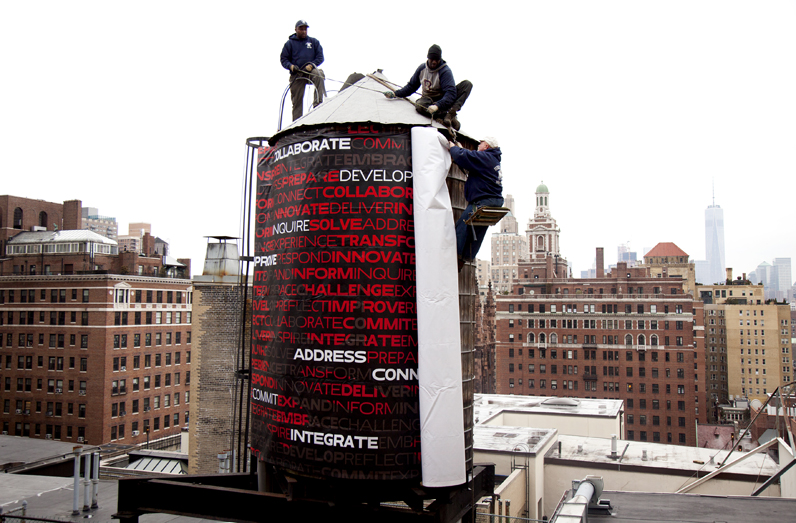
(302, 55)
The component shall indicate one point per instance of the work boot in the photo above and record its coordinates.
(451, 121)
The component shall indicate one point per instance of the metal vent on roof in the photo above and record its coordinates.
(561, 402)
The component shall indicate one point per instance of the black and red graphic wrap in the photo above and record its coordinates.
(334, 354)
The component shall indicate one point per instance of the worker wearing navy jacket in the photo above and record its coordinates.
(441, 97)
(483, 188)
(302, 55)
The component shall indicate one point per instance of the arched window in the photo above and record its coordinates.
(554, 338)
(43, 219)
(540, 243)
(18, 218)
(530, 337)
(541, 337)
(628, 340)
(641, 339)
(654, 340)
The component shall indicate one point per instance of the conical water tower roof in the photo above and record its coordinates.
(362, 102)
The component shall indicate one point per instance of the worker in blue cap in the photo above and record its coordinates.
(302, 55)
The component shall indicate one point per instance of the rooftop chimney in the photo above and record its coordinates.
(221, 260)
(600, 263)
(729, 273)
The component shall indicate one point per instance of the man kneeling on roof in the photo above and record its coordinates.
(441, 97)
(483, 188)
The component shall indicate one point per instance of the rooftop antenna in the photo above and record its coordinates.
(713, 182)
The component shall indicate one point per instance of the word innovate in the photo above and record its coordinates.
(313, 145)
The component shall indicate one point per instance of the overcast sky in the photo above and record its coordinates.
(628, 110)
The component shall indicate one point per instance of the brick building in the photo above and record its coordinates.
(484, 347)
(624, 335)
(667, 260)
(88, 354)
(24, 214)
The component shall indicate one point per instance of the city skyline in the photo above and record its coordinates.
(626, 110)
(715, 234)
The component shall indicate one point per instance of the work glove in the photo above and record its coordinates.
(432, 109)
(389, 94)
(293, 68)
(309, 67)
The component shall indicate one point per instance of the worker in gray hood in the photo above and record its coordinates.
(441, 97)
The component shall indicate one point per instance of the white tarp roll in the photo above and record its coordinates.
(439, 346)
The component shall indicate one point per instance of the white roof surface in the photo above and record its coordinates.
(511, 439)
(76, 235)
(488, 405)
(659, 455)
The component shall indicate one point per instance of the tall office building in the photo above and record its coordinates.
(784, 281)
(508, 248)
(714, 243)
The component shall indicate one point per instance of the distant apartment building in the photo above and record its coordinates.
(775, 278)
(667, 260)
(133, 240)
(482, 274)
(626, 335)
(95, 345)
(624, 254)
(748, 343)
(508, 248)
(93, 221)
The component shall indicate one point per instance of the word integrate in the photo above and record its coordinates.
(334, 341)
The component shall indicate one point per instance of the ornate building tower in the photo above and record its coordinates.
(542, 234)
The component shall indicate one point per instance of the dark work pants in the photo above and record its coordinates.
(298, 81)
(467, 247)
(463, 90)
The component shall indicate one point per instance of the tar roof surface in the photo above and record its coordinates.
(642, 507)
(16, 449)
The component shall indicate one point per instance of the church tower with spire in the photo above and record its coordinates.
(543, 240)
